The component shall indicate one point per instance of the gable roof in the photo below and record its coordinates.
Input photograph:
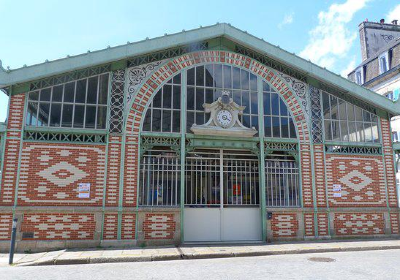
(90, 59)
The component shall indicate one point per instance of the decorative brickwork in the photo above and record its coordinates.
(389, 162)
(309, 229)
(46, 226)
(159, 226)
(361, 179)
(306, 175)
(50, 174)
(5, 226)
(394, 220)
(319, 175)
(16, 112)
(359, 224)
(131, 171)
(323, 222)
(284, 225)
(128, 226)
(113, 170)
(110, 227)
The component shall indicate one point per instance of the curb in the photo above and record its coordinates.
(99, 260)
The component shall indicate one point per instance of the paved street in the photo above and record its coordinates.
(357, 265)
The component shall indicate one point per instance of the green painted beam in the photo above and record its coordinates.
(66, 130)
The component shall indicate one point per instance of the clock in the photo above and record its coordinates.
(224, 118)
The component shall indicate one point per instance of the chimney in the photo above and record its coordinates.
(394, 21)
(382, 21)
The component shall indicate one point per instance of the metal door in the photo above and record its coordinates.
(222, 197)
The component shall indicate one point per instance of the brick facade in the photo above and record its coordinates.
(284, 225)
(359, 224)
(159, 226)
(5, 226)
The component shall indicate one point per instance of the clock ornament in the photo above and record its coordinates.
(224, 119)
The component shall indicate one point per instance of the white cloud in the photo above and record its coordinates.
(350, 67)
(288, 19)
(393, 14)
(331, 39)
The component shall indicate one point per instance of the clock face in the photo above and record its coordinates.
(224, 118)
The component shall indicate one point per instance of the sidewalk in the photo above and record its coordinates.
(111, 255)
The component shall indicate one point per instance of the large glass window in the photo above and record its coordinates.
(206, 83)
(346, 122)
(163, 114)
(278, 122)
(77, 104)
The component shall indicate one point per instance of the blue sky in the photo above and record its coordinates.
(324, 31)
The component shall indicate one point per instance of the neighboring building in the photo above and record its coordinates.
(208, 135)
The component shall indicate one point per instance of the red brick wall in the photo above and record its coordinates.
(11, 149)
(110, 227)
(309, 229)
(319, 174)
(306, 176)
(50, 174)
(128, 226)
(284, 225)
(159, 226)
(359, 224)
(131, 171)
(323, 224)
(113, 170)
(5, 225)
(362, 179)
(394, 220)
(51, 226)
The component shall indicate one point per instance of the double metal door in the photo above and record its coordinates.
(222, 196)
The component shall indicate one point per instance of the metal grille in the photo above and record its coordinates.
(213, 178)
(337, 149)
(64, 137)
(316, 115)
(282, 182)
(159, 179)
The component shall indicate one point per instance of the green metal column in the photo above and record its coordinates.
(183, 148)
(261, 155)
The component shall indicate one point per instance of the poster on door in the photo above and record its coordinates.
(84, 190)
(337, 190)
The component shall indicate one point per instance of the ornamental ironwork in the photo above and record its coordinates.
(64, 137)
(338, 149)
(300, 89)
(117, 101)
(316, 115)
(277, 146)
(68, 77)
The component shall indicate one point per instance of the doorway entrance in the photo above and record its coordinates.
(222, 197)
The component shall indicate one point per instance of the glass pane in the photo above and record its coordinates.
(166, 121)
(244, 77)
(176, 97)
(275, 104)
(267, 103)
(45, 94)
(375, 133)
(199, 118)
(55, 117)
(335, 131)
(236, 77)
(266, 87)
(190, 77)
(366, 116)
(246, 102)
(199, 99)
(350, 112)
(344, 132)
(44, 112)
(79, 116)
(34, 95)
(254, 122)
(147, 121)
(167, 96)
(103, 92)
(31, 118)
(368, 132)
(177, 79)
(69, 92)
(292, 129)
(80, 95)
(325, 105)
(218, 75)
(360, 132)
(200, 76)
(176, 121)
(246, 121)
(209, 75)
(328, 130)
(190, 98)
(157, 99)
(101, 117)
(227, 77)
(254, 102)
(342, 110)
(276, 127)
(90, 121)
(283, 108)
(190, 120)
(92, 90)
(156, 120)
(57, 93)
(358, 113)
(352, 132)
(285, 127)
(253, 82)
(334, 108)
(209, 96)
(67, 115)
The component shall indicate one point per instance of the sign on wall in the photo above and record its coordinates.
(84, 190)
(337, 190)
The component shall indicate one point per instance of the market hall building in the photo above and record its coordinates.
(208, 135)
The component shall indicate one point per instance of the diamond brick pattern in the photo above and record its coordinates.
(359, 224)
(159, 226)
(5, 226)
(362, 180)
(50, 174)
(46, 226)
(284, 225)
